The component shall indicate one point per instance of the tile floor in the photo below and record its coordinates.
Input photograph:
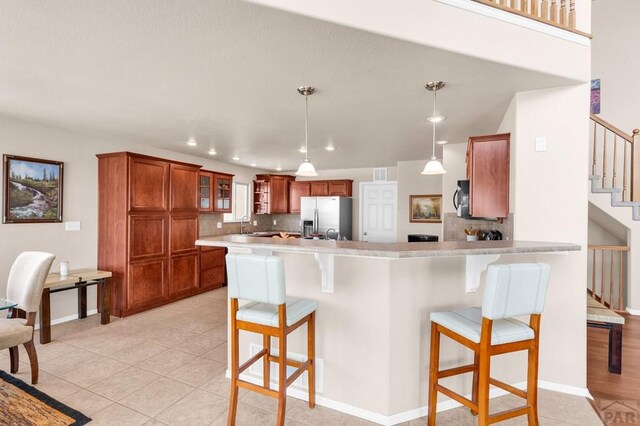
(167, 366)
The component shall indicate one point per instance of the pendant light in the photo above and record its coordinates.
(306, 167)
(433, 166)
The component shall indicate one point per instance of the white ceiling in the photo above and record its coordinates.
(226, 72)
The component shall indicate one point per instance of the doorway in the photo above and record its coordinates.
(378, 212)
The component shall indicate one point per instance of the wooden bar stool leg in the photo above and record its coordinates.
(282, 367)
(311, 355)
(532, 372)
(474, 389)
(235, 365)
(484, 373)
(14, 357)
(433, 374)
(266, 364)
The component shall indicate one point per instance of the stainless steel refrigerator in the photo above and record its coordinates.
(320, 214)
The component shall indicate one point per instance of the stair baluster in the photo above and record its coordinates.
(604, 158)
(615, 160)
(635, 167)
(609, 269)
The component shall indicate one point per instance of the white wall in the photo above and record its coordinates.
(412, 182)
(78, 152)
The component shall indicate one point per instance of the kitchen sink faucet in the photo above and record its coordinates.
(242, 222)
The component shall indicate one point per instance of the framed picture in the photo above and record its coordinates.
(425, 208)
(32, 190)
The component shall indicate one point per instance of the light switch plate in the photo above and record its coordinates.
(255, 223)
(72, 226)
(540, 144)
(275, 222)
(219, 225)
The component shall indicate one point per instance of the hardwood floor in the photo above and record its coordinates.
(620, 393)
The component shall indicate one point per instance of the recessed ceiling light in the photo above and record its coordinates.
(212, 151)
(436, 118)
(330, 148)
(441, 142)
(253, 164)
(279, 168)
(302, 150)
(235, 157)
(192, 142)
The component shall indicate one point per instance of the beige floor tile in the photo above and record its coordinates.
(248, 415)
(221, 385)
(200, 344)
(220, 332)
(53, 386)
(168, 336)
(49, 351)
(198, 372)
(219, 353)
(356, 421)
(197, 408)
(63, 364)
(265, 402)
(118, 415)
(154, 422)
(156, 396)
(90, 373)
(124, 383)
(299, 411)
(88, 403)
(566, 408)
(194, 324)
(137, 352)
(167, 361)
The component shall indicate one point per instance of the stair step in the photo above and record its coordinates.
(616, 195)
(610, 190)
(625, 203)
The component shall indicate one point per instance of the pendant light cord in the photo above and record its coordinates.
(433, 148)
(306, 127)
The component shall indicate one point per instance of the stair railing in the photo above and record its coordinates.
(545, 11)
(607, 275)
(615, 152)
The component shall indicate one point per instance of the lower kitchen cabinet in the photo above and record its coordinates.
(212, 267)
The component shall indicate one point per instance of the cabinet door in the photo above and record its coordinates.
(148, 184)
(489, 175)
(260, 197)
(205, 192)
(146, 283)
(340, 188)
(184, 274)
(222, 195)
(296, 191)
(147, 236)
(184, 187)
(278, 195)
(183, 233)
(319, 188)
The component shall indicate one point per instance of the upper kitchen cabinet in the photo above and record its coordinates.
(184, 187)
(148, 183)
(488, 174)
(271, 194)
(215, 192)
(317, 188)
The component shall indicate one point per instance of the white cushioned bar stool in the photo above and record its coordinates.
(260, 280)
(511, 290)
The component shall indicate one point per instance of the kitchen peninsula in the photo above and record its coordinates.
(374, 301)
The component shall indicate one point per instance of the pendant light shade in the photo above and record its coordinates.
(434, 167)
(306, 168)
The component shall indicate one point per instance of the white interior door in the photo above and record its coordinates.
(378, 211)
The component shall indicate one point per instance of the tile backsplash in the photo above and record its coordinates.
(284, 222)
(454, 227)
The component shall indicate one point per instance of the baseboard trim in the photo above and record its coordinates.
(66, 319)
(633, 311)
(417, 412)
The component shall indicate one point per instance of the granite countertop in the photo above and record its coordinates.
(388, 250)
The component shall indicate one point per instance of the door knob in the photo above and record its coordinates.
(365, 233)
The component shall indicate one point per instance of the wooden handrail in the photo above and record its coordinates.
(612, 128)
(603, 247)
(541, 11)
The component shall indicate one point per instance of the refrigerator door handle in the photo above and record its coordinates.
(316, 217)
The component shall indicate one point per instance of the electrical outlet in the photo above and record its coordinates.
(540, 144)
(255, 223)
(72, 226)
(219, 225)
(275, 222)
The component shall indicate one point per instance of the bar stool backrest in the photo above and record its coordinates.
(256, 278)
(515, 289)
(27, 277)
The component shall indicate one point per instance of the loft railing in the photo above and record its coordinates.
(616, 158)
(607, 275)
(559, 13)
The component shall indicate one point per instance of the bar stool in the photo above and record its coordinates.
(260, 280)
(511, 290)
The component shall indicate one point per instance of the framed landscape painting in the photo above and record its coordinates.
(32, 190)
(425, 208)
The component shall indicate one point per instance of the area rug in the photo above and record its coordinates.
(22, 404)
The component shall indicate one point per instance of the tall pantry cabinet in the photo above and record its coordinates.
(147, 227)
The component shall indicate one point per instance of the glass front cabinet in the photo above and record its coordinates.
(215, 192)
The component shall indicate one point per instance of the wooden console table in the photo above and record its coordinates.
(599, 316)
(78, 279)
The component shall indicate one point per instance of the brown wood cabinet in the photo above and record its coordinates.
(271, 194)
(488, 174)
(317, 188)
(212, 267)
(147, 227)
(215, 192)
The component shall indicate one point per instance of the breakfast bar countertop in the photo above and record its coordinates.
(388, 250)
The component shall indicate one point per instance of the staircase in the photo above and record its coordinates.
(614, 271)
